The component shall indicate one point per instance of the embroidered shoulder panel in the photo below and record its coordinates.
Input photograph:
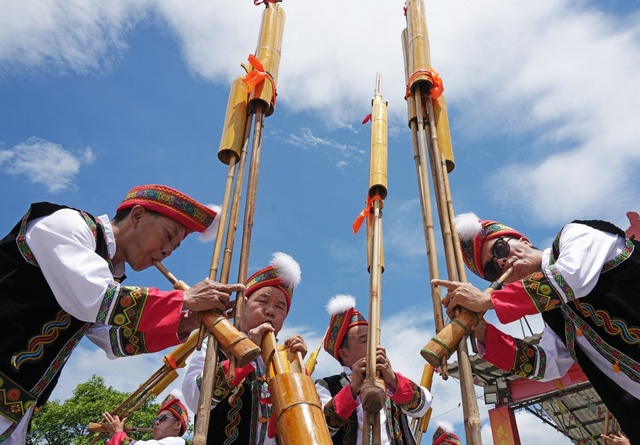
(529, 358)
(221, 388)
(542, 293)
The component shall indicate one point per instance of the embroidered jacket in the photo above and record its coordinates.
(240, 410)
(592, 312)
(344, 414)
(39, 335)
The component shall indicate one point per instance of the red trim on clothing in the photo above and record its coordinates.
(118, 438)
(500, 348)
(404, 391)
(162, 311)
(344, 402)
(239, 374)
(512, 303)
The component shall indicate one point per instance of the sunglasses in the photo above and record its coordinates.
(499, 250)
(162, 418)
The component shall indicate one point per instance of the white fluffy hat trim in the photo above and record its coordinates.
(210, 232)
(468, 226)
(287, 268)
(340, 303)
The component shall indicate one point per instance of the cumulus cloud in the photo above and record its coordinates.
(559, 74)
(46, 163)
(65, 36)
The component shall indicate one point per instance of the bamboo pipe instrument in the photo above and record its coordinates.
(232, 151)
(430, 129)
(373, 392)
(297, 409)
(100, 428)
(230, 340)
(261, 82)
(419, 155)
(446, 341)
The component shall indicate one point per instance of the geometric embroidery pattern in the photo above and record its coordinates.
(526, 358)
(542, 294)
(126, 342)
(128, 307)
(14, 400)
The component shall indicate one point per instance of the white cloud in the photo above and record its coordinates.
(65, 36)
(44, 162)
(560, 73)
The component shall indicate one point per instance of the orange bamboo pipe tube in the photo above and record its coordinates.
(296, 405)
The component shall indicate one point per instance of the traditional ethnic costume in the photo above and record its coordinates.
(444, 435)
(588, 293)
(344, 414)
(177, 409)
(57, 284)
(241, 410)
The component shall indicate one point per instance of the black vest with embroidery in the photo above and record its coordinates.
(37, 334)
(612, 310)
(348, 434)
(230, 421)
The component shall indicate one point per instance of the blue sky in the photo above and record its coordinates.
(542, 97)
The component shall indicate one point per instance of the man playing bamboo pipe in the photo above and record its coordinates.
(241, 409)
(60, 274)
(168, 426)
(346, 341)
(587, 287)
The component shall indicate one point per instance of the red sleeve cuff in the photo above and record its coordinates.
(512, 303)
(118, 438)
(500, 348)
(162, 311)
(404, 391)
(344, 403)
(158, 341)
